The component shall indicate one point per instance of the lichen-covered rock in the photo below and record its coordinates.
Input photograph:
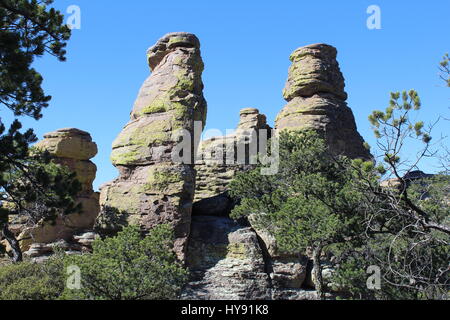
(71, 148)
(69, 143)
(226, 262)
(152, 188)
(314, 69)
(316, 101)
(214, 173)
(229, 261)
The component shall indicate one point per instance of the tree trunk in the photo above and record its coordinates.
(15, 247)
(317, 267)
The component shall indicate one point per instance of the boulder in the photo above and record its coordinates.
(69, 143)
(287, 270)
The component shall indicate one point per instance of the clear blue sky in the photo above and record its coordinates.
(245, 47)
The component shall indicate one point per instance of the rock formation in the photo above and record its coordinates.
(316, 100)
(226, 262)
(214, 173)
(78, 244)
(152, 188)
(72, 148)
(229, 261)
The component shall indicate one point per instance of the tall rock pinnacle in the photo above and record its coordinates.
(152, 188)
(316, 100)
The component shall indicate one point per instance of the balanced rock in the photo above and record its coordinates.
(215, 172)
(316, 101)
(71, 148)
(69, 143)
(153, 188)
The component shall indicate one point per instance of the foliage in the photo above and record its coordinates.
(128, 267)
(32, 281)
(407, 219)
(36, 187)
(310, 204)
(320, 202)
(28, 29)
(444, 67)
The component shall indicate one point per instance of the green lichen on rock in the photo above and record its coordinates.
(236, 251)
(164, 179)
(142, 152)
(124, 198)
(185, 80)
(157, 106)
(146, 135)
(175, 40)
(118, 156)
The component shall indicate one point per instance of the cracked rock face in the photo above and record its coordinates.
(152, 188)
(316, 100)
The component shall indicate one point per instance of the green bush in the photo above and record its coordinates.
(129, 267)
(32, 281)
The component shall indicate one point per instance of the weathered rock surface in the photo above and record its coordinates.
(316, 100)
(152, 188)
(226, 262)
(72, 148)
(229, 261)
(214, 173)
(76, 244)
(69, 143)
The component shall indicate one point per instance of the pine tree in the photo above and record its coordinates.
(28, 29)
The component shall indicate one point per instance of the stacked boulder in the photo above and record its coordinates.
(153, 188)
(219, 162)
(72, 148)
(317, 101)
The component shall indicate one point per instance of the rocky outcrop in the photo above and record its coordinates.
(72, 148)
(316, 100)
(215, 172)
(152, 188)
(229, 261)
(226, 262)
(77, 244)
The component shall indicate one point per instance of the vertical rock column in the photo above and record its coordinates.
(151, 188)
(316, 100)
(72, 148)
